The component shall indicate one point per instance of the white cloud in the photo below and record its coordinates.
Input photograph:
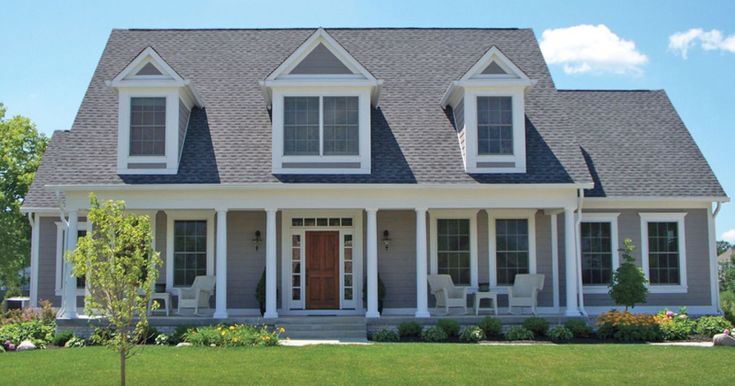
(729, 236)
(711, 40)
(591, 49)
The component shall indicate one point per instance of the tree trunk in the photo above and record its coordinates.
(122, 367)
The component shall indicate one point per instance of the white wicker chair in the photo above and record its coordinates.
(446, 293)
(524, 292)
(197, 295)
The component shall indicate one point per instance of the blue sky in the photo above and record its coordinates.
(51, 49)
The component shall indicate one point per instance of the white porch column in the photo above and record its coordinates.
(69, 295)
(570, 260)
(220, 311)
(271, 311)
(372, 264)
(35, 232)
(555, 259)
(422, 307)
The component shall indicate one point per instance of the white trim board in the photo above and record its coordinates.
(678, 218)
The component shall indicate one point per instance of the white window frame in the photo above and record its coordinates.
(363, 156)
(677, 217)
(509, 214)
(454, 214)
(60, 251)
(193, 215)
(612, 219)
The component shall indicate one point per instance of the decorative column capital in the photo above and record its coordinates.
(371, 210)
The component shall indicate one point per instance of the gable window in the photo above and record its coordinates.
(453, 249)
(512, 249)
(664, 251)
(148, 126)
(320, 125)
(494, 125)
(190, 251)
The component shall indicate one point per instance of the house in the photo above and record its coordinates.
(725, 257)
(334, 160)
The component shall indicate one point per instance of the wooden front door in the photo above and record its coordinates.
(322, 270)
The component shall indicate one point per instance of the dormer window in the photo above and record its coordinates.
(321, 99)
(494, 125)
(147, 126)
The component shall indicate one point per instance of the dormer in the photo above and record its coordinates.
(321, 98)
(154, 105)
(488, 103)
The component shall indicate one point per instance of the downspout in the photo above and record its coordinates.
(578, 254)
(715, 266)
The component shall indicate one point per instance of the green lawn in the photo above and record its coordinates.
(379, 364)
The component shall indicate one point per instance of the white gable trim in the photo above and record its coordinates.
(497, 56)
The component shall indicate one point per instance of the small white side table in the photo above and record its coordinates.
(492, 296)
(165, 297)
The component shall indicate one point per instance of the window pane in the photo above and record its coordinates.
(301, 126)
(147, 126)
(190, 251)
(596, 253)
(454, 249)
(663, 253)
(494, 125)
(511, 238)
(341, 125)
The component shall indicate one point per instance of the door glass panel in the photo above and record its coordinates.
(296, 267)
(347, 268)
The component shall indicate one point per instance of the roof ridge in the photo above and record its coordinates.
(326, 28)
(609, 90)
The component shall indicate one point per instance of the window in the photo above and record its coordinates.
(597, 254)
(296, 267)
(663, 253)
(349, 284)
(190, 251)
(512, 254)
(147, 126)
(321, 126)
(453, 249)
(495, 125)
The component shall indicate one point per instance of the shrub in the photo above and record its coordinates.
(560, 334)
(472, 334)
(627, 327)
(75, 341)
(674, 326)
(162, 340)
(711, 325)
(101, 335)
(233, 335)
(409, 330)
(491, 326)
(434, 334)
(579, 328)
(34, 330)
(519, 333)
(44, 314)
(179, 332)
(149, 335)
(450, 326)
(62, 337)
(539, 326)
(386, 335)
(727, 303)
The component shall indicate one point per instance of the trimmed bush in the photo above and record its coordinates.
(434, 334)
(579, 328)
(450, 326)
(519, 333)
(75, 341)
(62, 337)
(627, 327)
(560, 334)
(101, 335)
(711, 325)
(491, 326)
(539, 326)
(409, 330)
(471, 334)
(386, 335)
(178, 334)
(37, 331)
(233, 335)
(727, 303)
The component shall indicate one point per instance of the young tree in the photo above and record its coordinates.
(628, 285)
(722, 247)
(121, 269)
(21, 149)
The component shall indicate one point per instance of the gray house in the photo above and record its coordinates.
(335, 160)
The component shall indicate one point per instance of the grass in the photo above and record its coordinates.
(378, 364)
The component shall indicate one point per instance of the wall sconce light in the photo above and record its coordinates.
(257, 240)
(386, 239)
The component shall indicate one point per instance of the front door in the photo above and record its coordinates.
(322, 270)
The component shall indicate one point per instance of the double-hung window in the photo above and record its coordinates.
(664, 251)
(148, 126)
(321, 126)
(453, 249)
(495, 125)
(190, 251)
(597, 261)
(512, 249)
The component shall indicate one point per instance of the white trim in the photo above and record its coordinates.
(60, 251)
(35, 221)
(612, 219)
(461, 214)
(509, 214)
(713, 268)
(618, 203)
(677, 217)
(554, 219)
(173, 215)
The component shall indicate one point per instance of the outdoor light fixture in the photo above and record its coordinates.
(256, 240)
(386, 239)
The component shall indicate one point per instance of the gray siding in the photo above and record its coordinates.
(543, 258)
(245, 265)
(320, 61)
(459, 126)
(47, 261)
(183, 123)
(397, 264)
(160, 244)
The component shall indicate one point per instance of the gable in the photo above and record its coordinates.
(149, 69)
(494, 69)
(320, 61)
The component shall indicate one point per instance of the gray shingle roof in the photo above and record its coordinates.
(635, 144)
(413, 141)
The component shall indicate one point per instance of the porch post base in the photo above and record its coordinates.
(220, 314)
(422, 314)
(373, 314)
(270, 315)
(572, 312)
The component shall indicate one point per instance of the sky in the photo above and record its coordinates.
(50, 49)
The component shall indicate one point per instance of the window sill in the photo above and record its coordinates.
(595, 289)
(80, 292)
(667, 289)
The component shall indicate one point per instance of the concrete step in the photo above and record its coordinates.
(326, 335)
(324, 327)
(320, 327)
